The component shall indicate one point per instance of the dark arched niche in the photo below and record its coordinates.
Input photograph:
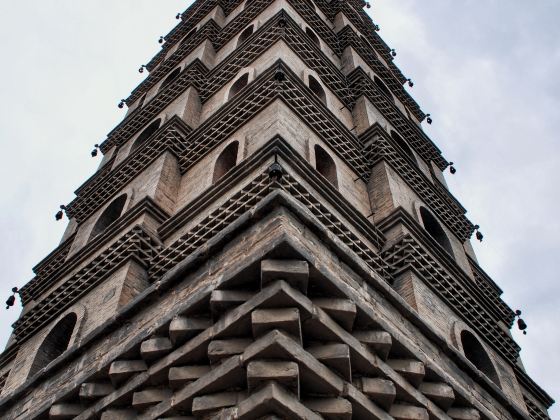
(142, 100)
(475, 353)
(238, 85)
(317, 89)
(109, 216)
(313, 36)
(404, 146)
(170, 78)
(435, 230)
(145, 135)
(226, 161)
(55, 343)
(325, 165)
(188, 36)
(383, 87)
(247, 32)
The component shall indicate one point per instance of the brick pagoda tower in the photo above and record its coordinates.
(269, 235)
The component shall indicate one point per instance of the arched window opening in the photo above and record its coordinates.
(170, 78)
(247, 32)
(238, 85)
(476, 354)
(325, 165)
(145, 135)
(317, 89)
(188, 36)
(434, 173)
(226, 161)
(55, 343)
(435, 230)
(109, 216)
(142, 100)
(313, 36)
(3, 380)
(383, 87)
(404, 146)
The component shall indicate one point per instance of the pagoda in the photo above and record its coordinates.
(269, 236)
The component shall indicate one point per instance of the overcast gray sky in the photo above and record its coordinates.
(488, 72)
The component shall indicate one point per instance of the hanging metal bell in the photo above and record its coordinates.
(275, 171)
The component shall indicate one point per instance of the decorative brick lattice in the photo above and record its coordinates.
(243, 56)
(101, 172)
(254, 47)
(195, 13)
(315, 59)
(193, 75)
(190, 147)
(486, 285)
(311, 110)
(349, 38)
(103, 188)
(359, 19)
(408, 252)
(209, 31)
(446, 208)
(244, 200)
(217, 36)
(361, 84)
(306, 11)
(362, 21)
(136, 243)
(534, 411)
(333, 224)
(261, 92)
(251, 11)
(228, 119)
(45, 269)
(214, 223)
